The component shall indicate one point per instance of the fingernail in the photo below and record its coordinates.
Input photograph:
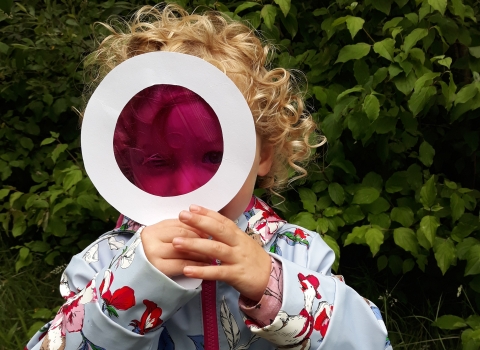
(177, 241)
(194, 207)
(185, 215)
(187, 270)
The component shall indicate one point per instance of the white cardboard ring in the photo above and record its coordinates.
(195, 74)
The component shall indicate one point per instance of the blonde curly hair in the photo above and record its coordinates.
(272, 95)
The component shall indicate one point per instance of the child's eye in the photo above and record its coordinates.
(156, 161)
(212, 157)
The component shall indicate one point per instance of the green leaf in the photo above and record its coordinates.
(412, 38)
(420, 98)
(268, 14)
(382, 262)
(385, 48)
(371, 107)
(426, 153)
(428, 193)
(406, 239)
(284, 6)
(474, 51)
(439, 5)
(332, 211)
(308, 198)
(71, 179)
(473, 261)
(449, 321)
(403, 215)
(382, 5)
(349, 91)
(324, 202)
(6, 5)
(365, 196)
(397, 182)
(429, 226)
(4, 192)
(306, 220)
(353, 52)
(319, 186)
(337, 193)
(24, 259)
(47, 141)
(19, 226)
(405, 82)
(466, 93)
(245, 5)
(58, 150)
(380, 205)
(354, 24)
(444, 253)
(374, 239)
(372, 179)
(357, 236)
(353, 214)
(457, 205)
(253, 18)
(382, 220)
(322, 225)
(332, 243)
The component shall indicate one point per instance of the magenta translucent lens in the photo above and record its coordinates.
(168, 141)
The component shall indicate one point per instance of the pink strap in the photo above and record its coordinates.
(209, 314)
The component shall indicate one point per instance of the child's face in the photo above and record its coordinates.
(179, 152)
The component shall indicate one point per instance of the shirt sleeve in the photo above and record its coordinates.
(114, 297)
(318, 310)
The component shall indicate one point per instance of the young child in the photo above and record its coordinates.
(121, 291)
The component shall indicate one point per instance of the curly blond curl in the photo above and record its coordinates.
(272, 95)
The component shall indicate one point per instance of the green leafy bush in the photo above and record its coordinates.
(393, 84)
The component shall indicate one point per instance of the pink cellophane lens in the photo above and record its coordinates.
(168, 141)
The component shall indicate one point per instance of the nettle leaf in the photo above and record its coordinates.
(439, 5)
(429, 226)
(406, 239)
(428, 193)
(365, 195)
(473, 261)
(284, 6)
(371, 107)
(445, 253)
(385, 48)
(412, 38)
(450, 322)
(374, 239)
(457, 205)
(402, 215)
(268, 13)
(354, 24)
(337, 193)
(353, 52)
(426, 153)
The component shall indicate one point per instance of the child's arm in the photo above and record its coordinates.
(115, 298)
(317, 308)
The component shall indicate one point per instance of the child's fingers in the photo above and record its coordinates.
(170, 253)
(175, 267)
(211, 248)
(211, 273)
(219, 227)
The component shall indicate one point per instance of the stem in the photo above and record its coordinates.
(369, 36)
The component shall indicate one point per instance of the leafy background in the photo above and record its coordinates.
(393, 84)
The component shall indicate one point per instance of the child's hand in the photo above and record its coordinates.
(157, 244)
(245, 265)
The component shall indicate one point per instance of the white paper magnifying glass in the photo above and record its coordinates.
(167, 68)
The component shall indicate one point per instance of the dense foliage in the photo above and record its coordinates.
(393, 84)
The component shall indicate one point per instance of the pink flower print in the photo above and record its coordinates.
(121, 299)
(69, 318)
(150, 319)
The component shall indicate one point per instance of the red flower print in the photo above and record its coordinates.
(322, 318)
(150, 319)
(300, 233)
(121, 299)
